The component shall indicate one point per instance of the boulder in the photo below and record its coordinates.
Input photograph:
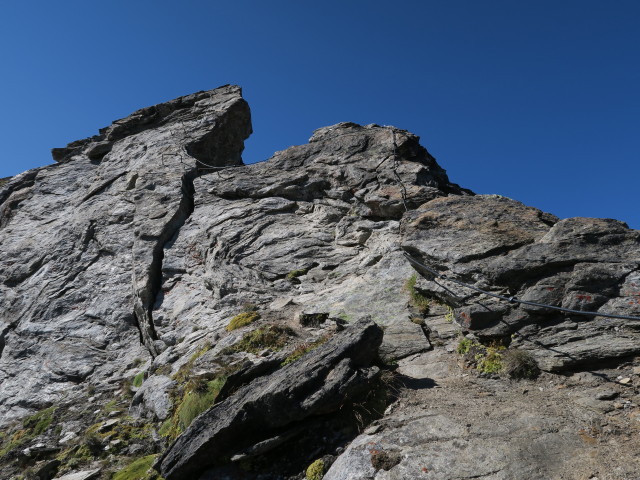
(320, 383)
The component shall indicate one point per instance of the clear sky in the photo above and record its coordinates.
(535, 100)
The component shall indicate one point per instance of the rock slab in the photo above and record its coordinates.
(319, 383)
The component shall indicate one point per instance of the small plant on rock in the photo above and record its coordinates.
(138, 380)
(486, 359)
(315, 471)
(491, 360)
(269, 336)
(293, 275)
(416, 298)
(303, 349)
(450, 315)
(464, 346)
(520, 364)
(242, 320)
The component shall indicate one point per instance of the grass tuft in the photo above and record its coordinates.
(303, 349)
(184, 372)
(39, 422)
(416, 299)
(138, 470)
(199, 395)
(269, 336)
(138, 380)
(520, 364)
(242, 319)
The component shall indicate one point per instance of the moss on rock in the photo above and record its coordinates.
(199, 395)
(140, 469)
(269, 336)
(242, 319)
(138, 380)
(315, 471)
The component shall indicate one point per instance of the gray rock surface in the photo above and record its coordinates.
(153, 398)
(402, 339)
(82, 244)
(83, 475)
(453, 426)
(320, 383)
(132, 254)
(506, 248)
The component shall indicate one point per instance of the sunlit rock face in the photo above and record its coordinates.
(123, 265)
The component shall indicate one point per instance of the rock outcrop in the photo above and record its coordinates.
(164, 304)
(83, 241)
(580, 264)
(271, 410)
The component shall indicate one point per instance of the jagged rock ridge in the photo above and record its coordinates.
(124, 263)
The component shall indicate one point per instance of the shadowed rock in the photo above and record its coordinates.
(319, 383)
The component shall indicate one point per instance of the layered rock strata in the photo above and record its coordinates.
(125, 264)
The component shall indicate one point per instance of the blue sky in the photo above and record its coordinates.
(535, 100)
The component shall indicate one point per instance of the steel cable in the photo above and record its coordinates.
(430, 273)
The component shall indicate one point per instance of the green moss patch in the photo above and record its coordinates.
(242, 319)
(315, 471)
(269, 336)
(138, 470)
(199, 395)
(32, 426)
(294, 274)
(138, 380)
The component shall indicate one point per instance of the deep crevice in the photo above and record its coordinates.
(143, 310)
(3, 335)
(137, 323)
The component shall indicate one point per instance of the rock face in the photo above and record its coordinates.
(580, 264)
(124, 264)
(264, 413)
(83, 241)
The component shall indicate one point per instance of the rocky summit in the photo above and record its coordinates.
(340, 311)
